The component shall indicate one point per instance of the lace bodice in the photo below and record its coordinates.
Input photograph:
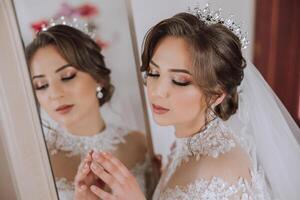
(107, 140)
(215, 140)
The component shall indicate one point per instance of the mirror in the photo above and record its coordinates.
(82, 106)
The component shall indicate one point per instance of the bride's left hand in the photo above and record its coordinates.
(111, 171)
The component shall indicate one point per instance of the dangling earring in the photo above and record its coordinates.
(98, 92)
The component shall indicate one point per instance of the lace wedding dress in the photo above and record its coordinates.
(215, 140)
(107, 140)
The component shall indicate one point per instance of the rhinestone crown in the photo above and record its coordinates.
(72, 22)
(213, 17)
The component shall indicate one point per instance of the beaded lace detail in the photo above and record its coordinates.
(107, 140)
(215, 140)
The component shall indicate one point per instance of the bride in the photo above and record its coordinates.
(71, 82)
(234, 139)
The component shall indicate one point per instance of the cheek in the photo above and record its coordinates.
(188, 102)
(43, 100)
(149, 87)
(85, 91)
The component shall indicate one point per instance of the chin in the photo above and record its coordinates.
(68, 121)
(162, 121)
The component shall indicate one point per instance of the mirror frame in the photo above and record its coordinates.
(139, 77)
(21, 138)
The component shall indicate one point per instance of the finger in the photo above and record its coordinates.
(124, 170)
(80, 192)
(101, 193)
(81, 189)
(87, 159)
(110, 167)
(107, 178)
(81, 174)
(88, 156)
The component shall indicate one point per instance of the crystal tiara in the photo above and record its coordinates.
(213, 17)
(72, 22)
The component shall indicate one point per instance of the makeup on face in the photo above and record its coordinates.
(64, 109)
(159, 109)
(179, 77)
(66, 73)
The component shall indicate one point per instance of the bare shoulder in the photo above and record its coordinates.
(229, 166)
(134, 150)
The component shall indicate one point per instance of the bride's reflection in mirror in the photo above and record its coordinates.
(71, 82)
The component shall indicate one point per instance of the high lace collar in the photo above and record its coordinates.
(212, 141)
(106, 140)
(216, 139)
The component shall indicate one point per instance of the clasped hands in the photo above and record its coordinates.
(99, 169)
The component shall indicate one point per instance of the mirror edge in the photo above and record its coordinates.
(23, 148)
(140, 81)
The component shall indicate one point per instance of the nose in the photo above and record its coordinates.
(160, 88)
(55, 91)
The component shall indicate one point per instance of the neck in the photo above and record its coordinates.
(188, 129)
(88, 126)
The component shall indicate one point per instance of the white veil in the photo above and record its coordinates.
(273, 136)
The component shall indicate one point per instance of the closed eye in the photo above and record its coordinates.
(181, 83)
(152, 73)
(42, 87)
(67, 78)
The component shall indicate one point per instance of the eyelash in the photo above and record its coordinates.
(149, 74)
(68, 77)
(64, 79)
(41, 87)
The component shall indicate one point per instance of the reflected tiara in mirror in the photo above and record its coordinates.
(213, 17)
(72, 22)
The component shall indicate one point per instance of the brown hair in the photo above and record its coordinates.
(79, 50)
(217, 58)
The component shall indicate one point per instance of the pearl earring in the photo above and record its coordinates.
(98, 92)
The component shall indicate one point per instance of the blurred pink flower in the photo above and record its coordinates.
(37, 26)
(87, 10)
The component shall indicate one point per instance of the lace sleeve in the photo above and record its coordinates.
(219, 189)
(214, 189)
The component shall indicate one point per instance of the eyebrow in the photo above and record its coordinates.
(171, 70)
(57, 70)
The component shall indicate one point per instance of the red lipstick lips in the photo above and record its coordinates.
(64, 109)
(159, 110)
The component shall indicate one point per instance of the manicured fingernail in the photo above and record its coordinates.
(105, 154)
(83, 187)
(93, 187)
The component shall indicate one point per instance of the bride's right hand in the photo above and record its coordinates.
(84, 179)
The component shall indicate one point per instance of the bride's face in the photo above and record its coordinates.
(174, 98)
(65, 93)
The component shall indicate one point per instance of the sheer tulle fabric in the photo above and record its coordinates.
(262, 117)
